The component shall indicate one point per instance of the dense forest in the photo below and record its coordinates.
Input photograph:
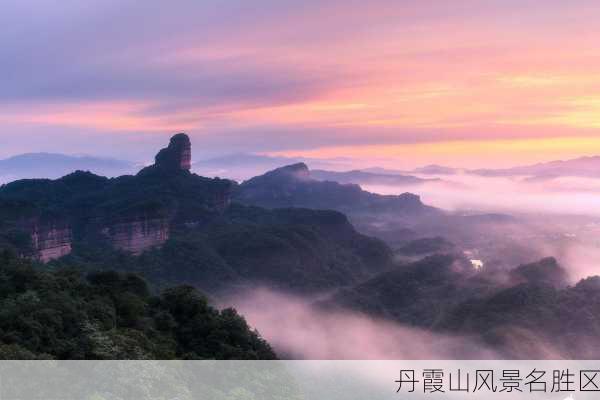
(78, 251)
(93, 267)
(176, 227)
(294, 186)
(530, 311)
(66, 314)
(295, 250)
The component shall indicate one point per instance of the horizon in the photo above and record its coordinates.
(348, 166)
(302, 180)
(470, 85)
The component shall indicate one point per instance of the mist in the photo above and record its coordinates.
(565, 195)
(298, 328)
(556, 217)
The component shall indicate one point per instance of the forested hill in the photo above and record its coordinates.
(294, 186)
(65, 314)
(62, 241)
(175, 227)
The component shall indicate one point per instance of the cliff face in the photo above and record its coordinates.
(137, 236)
(50, 241)
(177, 156)
(222, 199)
(172, 196)
(134, 212)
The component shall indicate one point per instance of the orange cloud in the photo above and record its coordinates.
(111, 116)
(478, 77)
(463, 153)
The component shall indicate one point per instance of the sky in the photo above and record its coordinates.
(394, 83)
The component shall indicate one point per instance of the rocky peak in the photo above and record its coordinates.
(177, 156)
(298, 171)
(546, 271)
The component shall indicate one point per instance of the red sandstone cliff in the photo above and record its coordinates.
(139, 235)
(50, 241)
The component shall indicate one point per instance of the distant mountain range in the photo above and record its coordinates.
(190, 227)
(295, 186)
(434, 169)
(52, 166)
(239, 167)
(242, 166)
(368, 178)
(283, 230)
(586, 167)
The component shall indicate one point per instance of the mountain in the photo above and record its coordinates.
(367, 178)
(294, 186)
(434, 169)
(384, 171)
(544, 272)
(242, 166)
(76, 253)
(73, 249)
(131, 213)
(52, 166)
(63, 314)
(557, 321)
(588, 167)
(173, 227)
(424, 246)
(415, 294)
(527, 312)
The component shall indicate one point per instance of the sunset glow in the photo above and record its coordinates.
(323, 180)
(461, 82)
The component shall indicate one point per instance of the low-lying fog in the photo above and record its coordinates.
(299, 329)
(554, 217)
(561, 195)
(557, 217)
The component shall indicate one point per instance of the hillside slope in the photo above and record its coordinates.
(174, 227)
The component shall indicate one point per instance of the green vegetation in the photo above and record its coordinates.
(426, 246)
(79, 307)
(65, 314)
(291, 249)
(84, 198)
(535, 317)
(292, 186)
(529, 311)
(418, 294)
(212, 246)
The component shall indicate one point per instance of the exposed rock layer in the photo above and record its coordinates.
(177, 156)
(134, 213)
(50, 242)
(140, 235)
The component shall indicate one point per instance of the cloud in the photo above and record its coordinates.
(341, 71)
(299, 330)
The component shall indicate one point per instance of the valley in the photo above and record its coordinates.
(326, 250)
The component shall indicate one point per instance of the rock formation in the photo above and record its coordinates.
(134, 213)
(298, 171)
(137, 236)
(177, 156)
(293, 186)
(50, 241)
